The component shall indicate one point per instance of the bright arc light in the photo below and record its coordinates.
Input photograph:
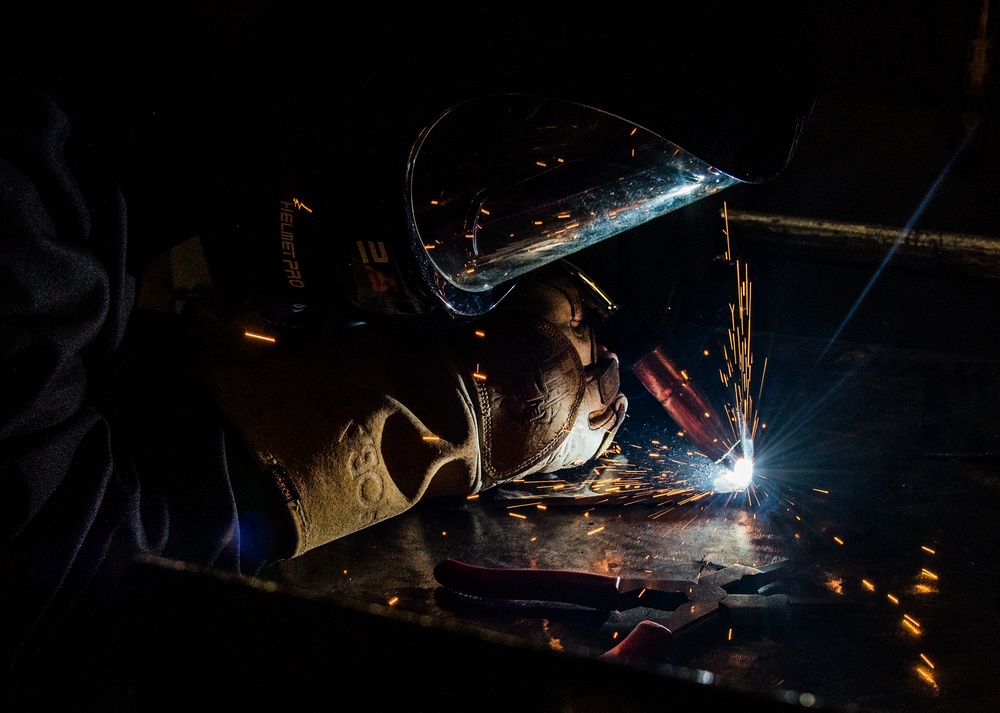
(738, 477)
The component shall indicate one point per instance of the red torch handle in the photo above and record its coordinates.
(587, 589)
(683, 401)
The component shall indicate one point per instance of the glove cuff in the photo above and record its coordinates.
(351, 438)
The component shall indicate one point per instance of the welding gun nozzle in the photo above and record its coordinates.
(685, 403)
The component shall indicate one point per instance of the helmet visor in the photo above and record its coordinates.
(501, 185)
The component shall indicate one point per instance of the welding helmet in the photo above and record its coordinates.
(496, 187)
(435, 181)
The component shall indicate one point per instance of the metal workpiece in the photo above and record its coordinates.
(879, 529)
(969, 254)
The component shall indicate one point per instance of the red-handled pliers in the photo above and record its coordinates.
(730, 591)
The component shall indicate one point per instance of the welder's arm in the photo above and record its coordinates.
(359, 431)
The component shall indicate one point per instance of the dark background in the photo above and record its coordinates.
(881, 399)
(890, 403)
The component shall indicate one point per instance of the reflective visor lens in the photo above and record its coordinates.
(499, 186)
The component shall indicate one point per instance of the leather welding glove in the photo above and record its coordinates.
(548, 395)
(357, 430)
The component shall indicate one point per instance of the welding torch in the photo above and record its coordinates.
(687, 406)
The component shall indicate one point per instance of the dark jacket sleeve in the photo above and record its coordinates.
(63, 298)
(107, 446)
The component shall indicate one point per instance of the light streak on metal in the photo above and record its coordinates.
(431, 439)
(904, 233)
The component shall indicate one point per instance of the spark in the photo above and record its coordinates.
(925, 548)
(868, 585)
(392, 602)
(431, 439)
(926, 660)
(926, 675)
(914, 629)
(928, 573)
(893, 599)
(261, 337)
(518, 515)
(596, 530)
(838, 540)
(738, 376)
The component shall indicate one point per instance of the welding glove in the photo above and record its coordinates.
(548, 395)
(354, 431)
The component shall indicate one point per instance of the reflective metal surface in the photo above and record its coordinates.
(894, 536)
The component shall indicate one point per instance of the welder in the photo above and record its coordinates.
(306, 152)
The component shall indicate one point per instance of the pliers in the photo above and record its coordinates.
(729, 595)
